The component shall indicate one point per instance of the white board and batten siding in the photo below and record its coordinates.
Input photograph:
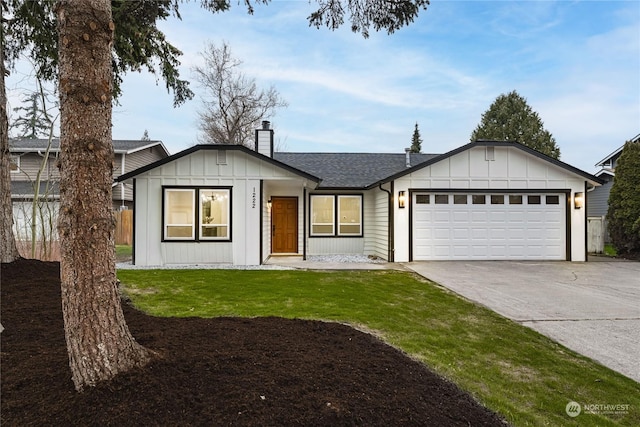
(376, 223)
(506, 231)
(239, 171)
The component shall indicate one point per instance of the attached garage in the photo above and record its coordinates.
(464, 225)
(491, 200)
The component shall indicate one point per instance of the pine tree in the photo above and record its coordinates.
(416, 141)
(510, 118)
(32, 124)
(623, 217)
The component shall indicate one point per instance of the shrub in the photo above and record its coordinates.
(623, 215)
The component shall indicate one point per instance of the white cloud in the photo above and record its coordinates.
(577, 63)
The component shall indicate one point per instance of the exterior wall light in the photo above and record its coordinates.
(402, 199)
(578, 200)
(269, 204)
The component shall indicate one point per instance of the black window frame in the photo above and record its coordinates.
(197, 207)
(336, 218)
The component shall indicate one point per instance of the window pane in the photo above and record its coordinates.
(533, 200)
(14, 163)
(322, 215)
(459, 199)
(175, 232)
(322, 229)
(553, 200)
(214, 213)
(442, 199)
(179, 214)
(349, 215)
(515, 199)
(479, 199)
(214, 232)
(346, 229)
(497, 199)
(422, 199)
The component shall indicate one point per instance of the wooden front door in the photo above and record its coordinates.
(284, 225)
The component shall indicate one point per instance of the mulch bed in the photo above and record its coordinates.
(222, 371)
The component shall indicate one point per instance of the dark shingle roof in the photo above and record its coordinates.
(119, 145)
(350, 170)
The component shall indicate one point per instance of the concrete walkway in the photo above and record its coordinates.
(592, 308)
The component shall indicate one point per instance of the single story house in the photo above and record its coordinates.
(485, 200)
(28, 156)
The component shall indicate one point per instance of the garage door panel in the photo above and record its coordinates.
(512, 230)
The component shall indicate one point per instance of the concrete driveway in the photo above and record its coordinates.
(592, 308)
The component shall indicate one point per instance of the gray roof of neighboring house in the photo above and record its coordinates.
(25, 189)
(616, 153)
(119, 145)
(351, 170)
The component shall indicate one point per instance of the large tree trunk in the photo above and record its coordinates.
(98, 340)
(8, 249)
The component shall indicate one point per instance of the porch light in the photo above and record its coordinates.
(402, 199)
(269, 204)
(578, 200)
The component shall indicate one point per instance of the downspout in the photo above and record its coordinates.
(122, 183)
(390, 224)
(304, 223)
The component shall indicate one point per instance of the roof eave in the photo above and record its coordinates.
(195, 148)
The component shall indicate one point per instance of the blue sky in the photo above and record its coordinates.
(576, 62)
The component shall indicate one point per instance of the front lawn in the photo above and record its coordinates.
(511, 369)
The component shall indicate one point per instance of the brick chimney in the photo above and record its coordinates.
(264, 139)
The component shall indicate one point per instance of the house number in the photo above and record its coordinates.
(253, 198)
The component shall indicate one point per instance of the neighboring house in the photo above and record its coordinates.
(599, 196)
(28, 155)
(598, 206)
(483, 201)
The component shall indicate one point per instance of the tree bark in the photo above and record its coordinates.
(99, 343)
(8, 248)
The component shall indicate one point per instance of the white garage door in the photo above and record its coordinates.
(491, 226)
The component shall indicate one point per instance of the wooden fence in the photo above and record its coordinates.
(124, 227)
(596, 234)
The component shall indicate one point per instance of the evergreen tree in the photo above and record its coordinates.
(510, 118)
(416, 141)
(145, 136)
(623, 217)
(98, 340)
(32, 124)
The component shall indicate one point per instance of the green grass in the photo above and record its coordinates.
(123, 251)
(610, 250)
(511, 369)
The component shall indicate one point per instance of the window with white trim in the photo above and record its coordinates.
(209, 220)
(336, 215)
